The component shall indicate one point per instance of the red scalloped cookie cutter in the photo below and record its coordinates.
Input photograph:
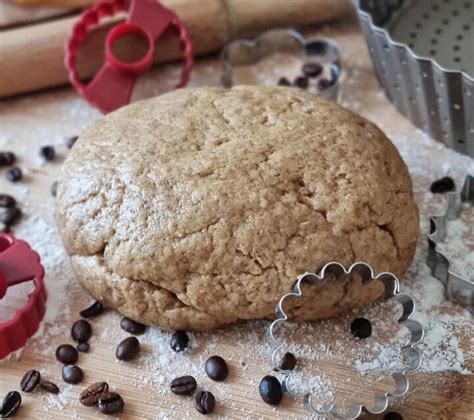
(19, 264)
(112, 86)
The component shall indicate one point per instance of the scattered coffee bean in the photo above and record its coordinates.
(30, 381)
(47, 152)
(361, 328)
(10, 216)
(7, 158)
(110, 403)
(301, 82)
(71, 141)
(81, 331)
(54, 188)
(72, 374)
(94, 310)
(204, 402)
(7, 201)
(67, 354)
(179, 341)
(128, 349)
(132, 326)
(90, 396)
(13, 174)
(270, 390)
(443, 185)
(324, 84)
(216, 368)
(184, 385)
(50, 387)
(10, 405)
(283, 81)
(392, 415)
(287, 362)
(83, 347)
(312, 69)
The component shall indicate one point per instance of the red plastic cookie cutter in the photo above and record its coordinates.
(112, 86)
(19, 264)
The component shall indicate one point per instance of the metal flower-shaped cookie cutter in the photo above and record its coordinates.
(247, 52)
(459, 289)
(412, 354)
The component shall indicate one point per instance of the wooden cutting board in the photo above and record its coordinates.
(50, 117)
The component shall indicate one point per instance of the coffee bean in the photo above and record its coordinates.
(13, 174)
(179, 341)
(67, 354)
(83, 347)
(47, 152)
(10, 216)
(7, 158)
(443, 185)
(132, 326)
(283, 81)
(50, 387)
(204, 402)
(7, 201)
(361, 328)
(71, 141)
(54, 188)
(10, 405)
(30, 381)
(216, 368)
(324, 84)
(72, 374)
(312, 69)
(184, 385)
(81, 331)
(110, 403)
(287, 362)
(301, 82)
(128, 349)
(90, 396)
(270, 390)
(93, 310)
(392, 415)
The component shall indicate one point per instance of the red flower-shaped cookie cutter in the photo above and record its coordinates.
(112, 86)
(19, 264)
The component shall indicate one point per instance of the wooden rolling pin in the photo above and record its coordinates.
(31, 57)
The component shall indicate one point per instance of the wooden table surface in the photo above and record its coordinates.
(26, 123)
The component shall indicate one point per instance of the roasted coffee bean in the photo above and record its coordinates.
(393, 415)
(50, 387)
(54, 188)
(81, 331)
(71, 141)
(204, 402)
(10, 405)
(90, 396)
(10, 216)
(83, 347)
(324, 84)
(270, 390)
(13, 174)
(132, 326)
(7, 201)
(301, 82)
(179, 341)
(216, 368)
(30, 381)
(283, 81)
(128, 349)
(72, 374)
(110, 403)
(361, 328)
(287, 362)
(93, 310)
(47, 152)
(7, 158)
(312, 69)
(184, 385)
(67, 354)
(443, 185)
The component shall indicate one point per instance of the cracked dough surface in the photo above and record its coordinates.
(198, 208)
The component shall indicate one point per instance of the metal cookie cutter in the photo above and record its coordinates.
(247, 52)
(19, 264)
(412, 354)
(112, 86)
(458, 289)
